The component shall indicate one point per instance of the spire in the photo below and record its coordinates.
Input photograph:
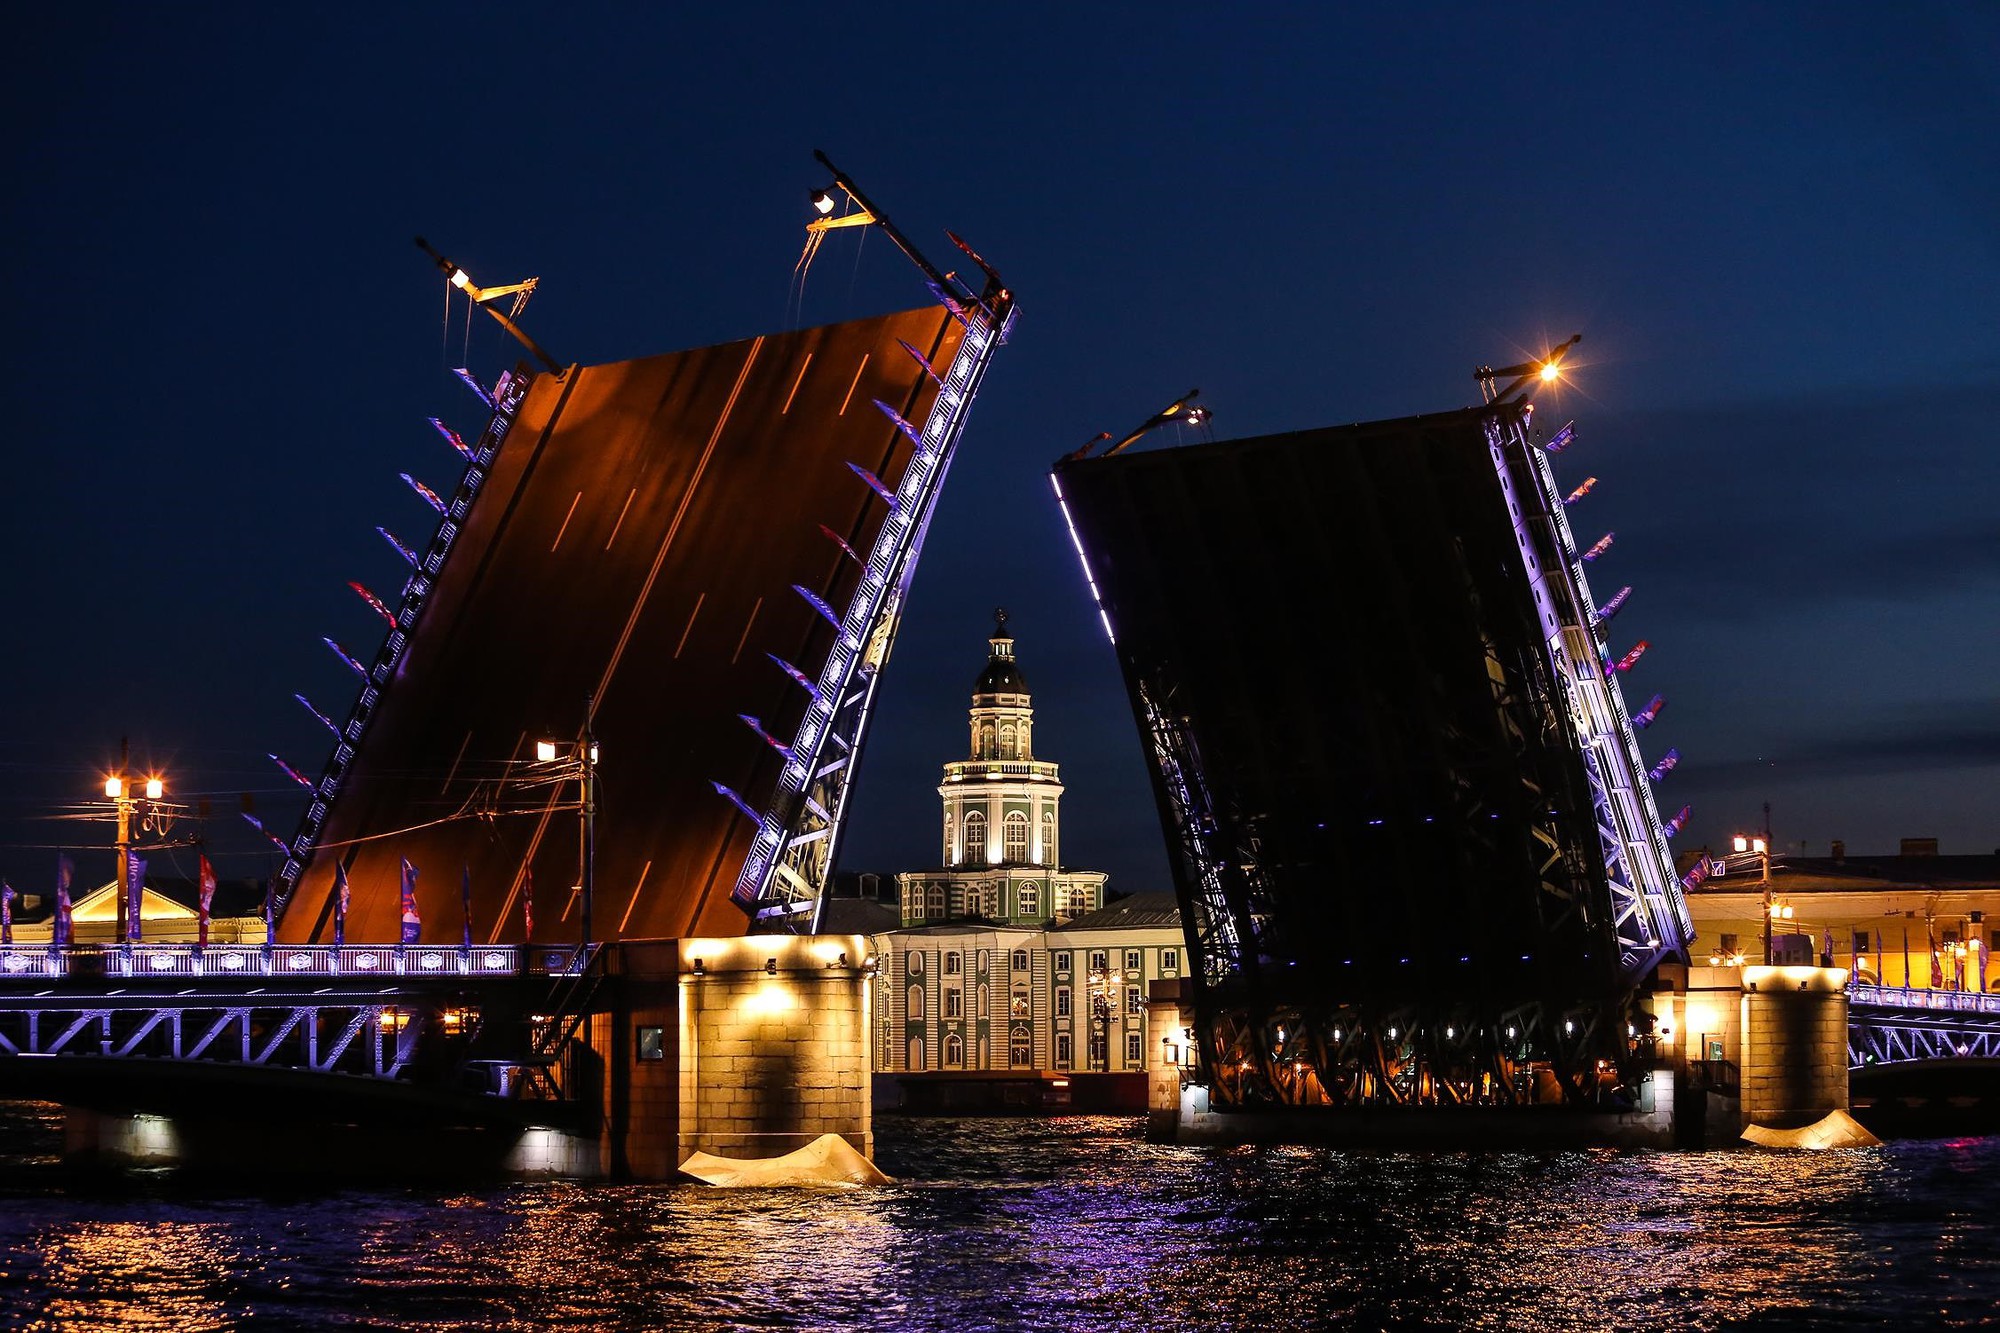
(1002, 675)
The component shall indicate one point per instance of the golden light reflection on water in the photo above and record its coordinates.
(146, 1274)
(1037, 1224)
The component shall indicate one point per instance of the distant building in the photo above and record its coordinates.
(1917, 919)
(167, 914)
(1001, 858)
(1006, 962)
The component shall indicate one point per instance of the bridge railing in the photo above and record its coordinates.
(37, 962)
(1943, 1001)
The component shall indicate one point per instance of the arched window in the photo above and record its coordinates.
(1020, 1047)
(1029, 899)
(916, 1060)
(937, 900)
(1020, 960)
(1007, 747)
(975, 838)
(1048, 851)
(948, 830)
(916, 1009)
(954, 1050)
(1016, 838)
(986, 746)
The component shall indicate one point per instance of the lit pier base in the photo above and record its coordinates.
(115, 1140)
(1762, 1046)
(747, 1047)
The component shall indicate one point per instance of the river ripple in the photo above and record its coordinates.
(1038, 1224)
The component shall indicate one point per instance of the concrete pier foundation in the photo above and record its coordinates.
(743, 1047)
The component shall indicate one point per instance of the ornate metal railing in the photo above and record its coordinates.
(166, 961)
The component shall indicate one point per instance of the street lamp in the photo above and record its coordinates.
(1100, 1011)
(583, 754)
(125, 802)
(1761, 847)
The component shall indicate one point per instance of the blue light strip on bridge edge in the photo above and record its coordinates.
(505, 400)
(883, 575)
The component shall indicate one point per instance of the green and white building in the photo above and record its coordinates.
(1006, 961)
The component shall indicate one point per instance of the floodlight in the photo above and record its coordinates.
(822, 202)
(114, 788)
(155, 789)
(545, 752)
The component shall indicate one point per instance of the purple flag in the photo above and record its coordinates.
(204, 903)
(6, 912)
(135, 895)
(413, 924)
(64, 926)
(270, 914)
(340, 900)
(465, 900)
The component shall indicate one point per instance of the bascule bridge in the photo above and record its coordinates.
(610, 727)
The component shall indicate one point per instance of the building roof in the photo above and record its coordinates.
(858, 916)
(1131, 912)
(1854, 874)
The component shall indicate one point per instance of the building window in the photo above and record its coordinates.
(975, 838)
(1015, 838)
(1062, 1002)
(652, 1043)
(949, 829)
(953, 1004)
(914, 963)
(1020, 960)
(1100, 1051)
(1134, 960)
(1020, 1004)
(953, 963)
(1048, 837)
(986, 746)
(1065, 1051)
(1062, 960)
(1134, 1004)
(1020, 1049)
(1133, 1055)
(954, 1050)
(916, 1009)
(937, 899)
(1170, 960)
(1100, 961)
(1028, 899)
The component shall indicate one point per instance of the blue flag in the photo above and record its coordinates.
(340, 899)
(135, 895)
(6, 912)
(413, 924)
(65, 875)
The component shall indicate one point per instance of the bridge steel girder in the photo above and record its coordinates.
(784, 878)
(1303, 671)
(1889, 1025)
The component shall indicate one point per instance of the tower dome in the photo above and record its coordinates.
(1002, 674)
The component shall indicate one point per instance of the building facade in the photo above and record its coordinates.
(1916, 919)
(1006, 961)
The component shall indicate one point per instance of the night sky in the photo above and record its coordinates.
(1778, 229)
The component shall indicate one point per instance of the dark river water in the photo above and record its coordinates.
(1038, 1224)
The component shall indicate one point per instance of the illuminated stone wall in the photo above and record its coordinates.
(1794, 1054)
(772, 1046)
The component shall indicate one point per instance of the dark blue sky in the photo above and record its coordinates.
(1778, 228)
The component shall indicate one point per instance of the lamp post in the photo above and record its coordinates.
(585, 755)
(118, 790)
(1762, 848)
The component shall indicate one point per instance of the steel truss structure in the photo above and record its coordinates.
(504, 399)
(1362, 671)
(492, 1027)
(1891, 1025)
(784, 878)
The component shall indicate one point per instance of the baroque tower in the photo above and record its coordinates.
(1001, 857)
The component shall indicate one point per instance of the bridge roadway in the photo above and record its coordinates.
(639, 539)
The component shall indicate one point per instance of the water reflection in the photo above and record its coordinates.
(1045, 1224)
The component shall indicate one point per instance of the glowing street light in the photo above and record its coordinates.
(822, 202)
(584, 755)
